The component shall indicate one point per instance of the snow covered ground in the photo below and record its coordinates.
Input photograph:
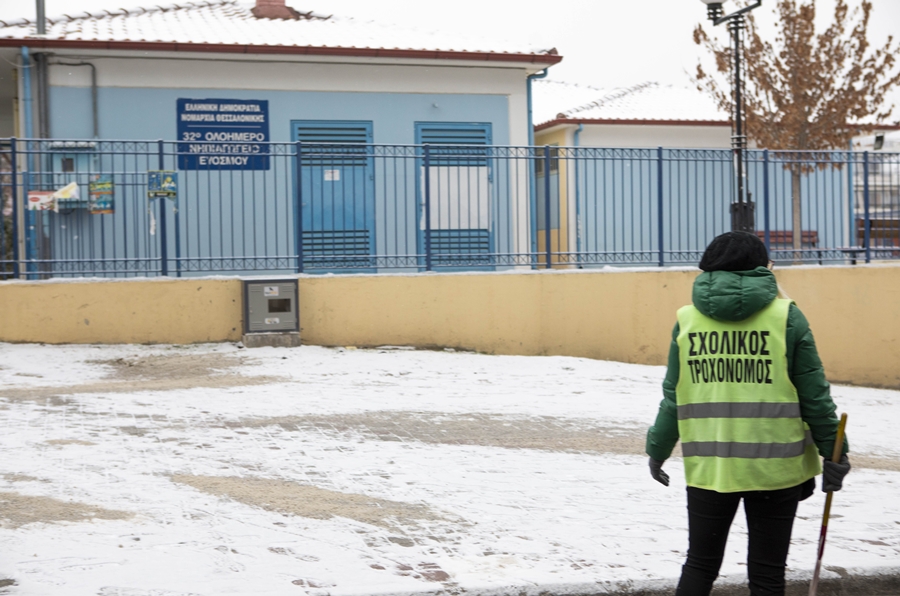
(170, 470)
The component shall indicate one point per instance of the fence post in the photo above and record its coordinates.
(547, 246)
(850, 228)
(14, 173)
(298, 223)
(427, 163)
(659, 205)
(177, 216)
(29, 217)
(163, 233)
(531, 159)
(766, 234)
(868, 223)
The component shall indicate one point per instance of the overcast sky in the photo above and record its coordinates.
(605, 43)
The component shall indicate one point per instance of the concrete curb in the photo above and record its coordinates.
(879, 584)
(833, 581)
(873, 585)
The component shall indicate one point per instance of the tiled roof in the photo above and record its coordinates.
(192, 25)
(555, 101)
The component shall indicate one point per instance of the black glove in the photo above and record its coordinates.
(657, 472)
(833, 474)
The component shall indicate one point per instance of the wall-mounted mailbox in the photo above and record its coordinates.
(271, 306)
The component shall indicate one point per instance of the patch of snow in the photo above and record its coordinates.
(494, 506)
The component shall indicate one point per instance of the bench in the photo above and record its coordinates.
(883, 233)
(785, 238)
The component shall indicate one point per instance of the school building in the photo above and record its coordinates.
(239, 84)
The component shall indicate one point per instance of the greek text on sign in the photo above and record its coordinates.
(272, 321)
(270, 290)
(332, 175)
(223, 134)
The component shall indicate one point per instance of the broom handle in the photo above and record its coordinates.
(835, 456)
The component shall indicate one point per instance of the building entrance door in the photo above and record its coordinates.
(338, 194)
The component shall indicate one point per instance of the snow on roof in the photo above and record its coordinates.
(231, 22)
(555, 101)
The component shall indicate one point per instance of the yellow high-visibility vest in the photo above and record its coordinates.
(738, 412)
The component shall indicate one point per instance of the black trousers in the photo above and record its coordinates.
(770, 519)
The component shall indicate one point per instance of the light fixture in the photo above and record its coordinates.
(742, 217)
(713, 9)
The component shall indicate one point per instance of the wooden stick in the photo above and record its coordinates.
(835, 457)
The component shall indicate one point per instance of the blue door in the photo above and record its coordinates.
(338, 194)
(462, 205)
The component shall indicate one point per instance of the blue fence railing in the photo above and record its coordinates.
(124, 208)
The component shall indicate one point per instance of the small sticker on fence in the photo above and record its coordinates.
(42, 200)
(270, 290)
(69, 192)
(332, 175)
(100, 192)
(272, 320)
(162, 184)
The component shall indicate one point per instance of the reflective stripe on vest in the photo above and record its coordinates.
(739, 416)
(747, 450)
(738, 410)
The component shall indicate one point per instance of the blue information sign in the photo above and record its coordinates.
(223, 134)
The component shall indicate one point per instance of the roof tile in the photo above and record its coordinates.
(646, 101)
(230, 22)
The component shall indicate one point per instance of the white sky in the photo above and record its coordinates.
(605, 43)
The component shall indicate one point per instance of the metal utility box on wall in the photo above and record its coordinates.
(271, 313)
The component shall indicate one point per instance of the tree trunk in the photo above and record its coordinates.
(796, 220)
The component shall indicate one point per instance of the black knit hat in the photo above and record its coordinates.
(735, 251)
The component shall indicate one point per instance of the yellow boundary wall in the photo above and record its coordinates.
(121, 311)
(611, 314)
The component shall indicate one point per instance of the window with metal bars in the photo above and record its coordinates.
(337, 146)
(456, 143)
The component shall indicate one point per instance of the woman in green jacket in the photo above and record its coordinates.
(746, 394)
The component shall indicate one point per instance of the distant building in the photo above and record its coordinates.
(883, 166)
(884, 140)
(625, 126)
(644, 116)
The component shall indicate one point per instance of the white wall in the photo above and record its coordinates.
(678, 136)
(643, 136)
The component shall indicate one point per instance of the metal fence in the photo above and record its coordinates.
(280, 208)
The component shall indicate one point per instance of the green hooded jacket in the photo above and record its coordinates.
(734, 296)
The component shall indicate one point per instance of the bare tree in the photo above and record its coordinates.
(806, 91)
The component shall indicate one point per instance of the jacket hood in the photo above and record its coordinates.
(734, 295)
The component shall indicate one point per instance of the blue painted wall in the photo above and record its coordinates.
(129, 113)
(225, 214)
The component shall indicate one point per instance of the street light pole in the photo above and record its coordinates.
(742, 210)
(742, 217)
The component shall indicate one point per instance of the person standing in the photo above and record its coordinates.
(746, 394)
